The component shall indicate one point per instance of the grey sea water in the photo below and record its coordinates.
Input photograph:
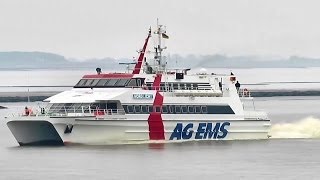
(286, 156)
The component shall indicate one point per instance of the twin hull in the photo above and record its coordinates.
(89, 130)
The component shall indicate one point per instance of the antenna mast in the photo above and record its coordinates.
(160, 63)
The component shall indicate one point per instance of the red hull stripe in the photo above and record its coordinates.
(109, 76)
(156, 82)
(156, 128)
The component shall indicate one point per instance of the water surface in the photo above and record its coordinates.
(285, 156)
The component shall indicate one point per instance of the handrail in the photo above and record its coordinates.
(244, 93)
(77, 111)
(168, 88)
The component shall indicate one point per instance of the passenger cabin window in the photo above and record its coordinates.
(139, 82)
(137, 108)
(130, 109)
(150, 109)
(136, 82)
(204, 109)
(144, 109)
(191, 109)
(184, 109)
(171, 109)
(178, 109)
(197, 109)
(158, 109)
(165, 109)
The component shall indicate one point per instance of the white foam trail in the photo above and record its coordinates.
(306, 128)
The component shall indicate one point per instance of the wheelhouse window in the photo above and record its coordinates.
(94, 82)
(85, 83)
(132, 83)
(111, 82)
(102, 82)
(122, 82)
(81, 82)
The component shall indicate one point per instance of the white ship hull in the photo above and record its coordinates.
(89, 131)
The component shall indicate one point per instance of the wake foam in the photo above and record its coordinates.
(306, 128)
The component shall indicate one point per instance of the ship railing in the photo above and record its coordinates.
(261, 115)
(244, 93)
(77, 111)
(171, 89)
(104, 112)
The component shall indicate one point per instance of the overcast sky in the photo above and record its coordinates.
(104, 28)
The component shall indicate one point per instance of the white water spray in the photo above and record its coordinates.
(306, 128)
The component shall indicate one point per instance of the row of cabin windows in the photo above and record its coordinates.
(137, 82)
(180, 86)
(177, 109)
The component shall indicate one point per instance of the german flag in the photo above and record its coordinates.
(165, 36)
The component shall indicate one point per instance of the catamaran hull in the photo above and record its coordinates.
(35, 133)
(103, 132)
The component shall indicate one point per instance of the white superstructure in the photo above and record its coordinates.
(150, 104)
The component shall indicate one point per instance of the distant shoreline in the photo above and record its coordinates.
(41, 95)
(23, 96)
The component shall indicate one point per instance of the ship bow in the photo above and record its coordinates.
(36, 133)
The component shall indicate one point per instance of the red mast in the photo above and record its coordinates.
(137, 67)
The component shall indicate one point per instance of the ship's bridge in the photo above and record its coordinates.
(112, 80)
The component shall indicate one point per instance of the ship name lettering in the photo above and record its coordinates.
(203, 131)
(142, 96)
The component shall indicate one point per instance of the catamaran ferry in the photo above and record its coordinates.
(150, 104)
